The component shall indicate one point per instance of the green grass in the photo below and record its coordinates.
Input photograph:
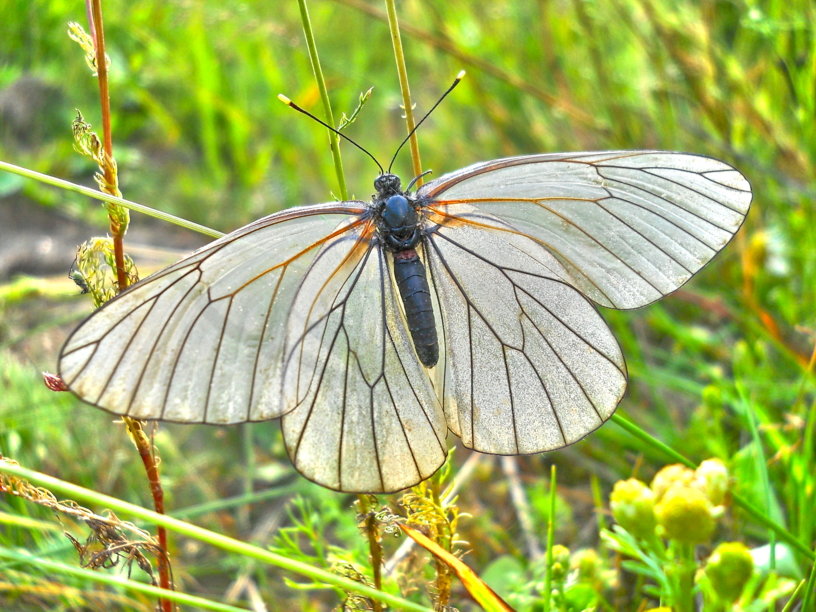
(717, 370)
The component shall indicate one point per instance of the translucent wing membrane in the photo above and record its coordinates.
(627, 226)
(297, 315)
(364, 416)
(202, 340)
(531, 365)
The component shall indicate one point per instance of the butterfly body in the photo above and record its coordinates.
(399, 225)
(376, 328)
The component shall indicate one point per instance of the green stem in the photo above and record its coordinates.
(550, 542)
(115, 581)
(810, 589)
(794, 597)
(402, 72)
(84, 495)
(760, 462)
(110, 199)
(643, 436)
(334, 139)
(685, 566)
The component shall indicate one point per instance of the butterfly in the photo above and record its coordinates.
(373, 329)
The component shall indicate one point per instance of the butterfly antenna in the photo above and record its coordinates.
(291, 104)
(456, 81)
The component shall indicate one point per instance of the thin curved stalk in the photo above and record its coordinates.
(334, 139)
(402, 72)
(218, 540)
(108, 198)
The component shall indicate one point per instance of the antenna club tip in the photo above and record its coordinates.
(284, 99)
(460, 75)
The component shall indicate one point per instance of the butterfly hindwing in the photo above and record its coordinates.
(362, 413)
(531, 365)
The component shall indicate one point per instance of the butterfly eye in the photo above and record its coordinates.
(374, 329)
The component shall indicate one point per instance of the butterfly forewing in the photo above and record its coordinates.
(364, 416)
(201, 341)
(628, 226)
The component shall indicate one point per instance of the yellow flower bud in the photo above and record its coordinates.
(712, 479)
(632, 504)
(728, 569)
(686, 515)
(671, 476)
(588, 564)
(561, 562)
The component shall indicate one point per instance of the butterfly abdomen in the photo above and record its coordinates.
(412, 281)
(398, 224)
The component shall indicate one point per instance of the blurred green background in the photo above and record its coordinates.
(721, 369)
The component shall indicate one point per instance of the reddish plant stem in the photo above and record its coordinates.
(117, 232)
(144, 447)
(98, 32)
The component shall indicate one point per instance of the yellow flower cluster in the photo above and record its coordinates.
(681, 504)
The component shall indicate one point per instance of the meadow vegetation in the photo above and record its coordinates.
(717, 515)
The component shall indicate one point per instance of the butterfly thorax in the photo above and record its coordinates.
(398, 222)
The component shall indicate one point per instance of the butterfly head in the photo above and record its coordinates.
(387, 185)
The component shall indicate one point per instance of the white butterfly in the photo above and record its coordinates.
(494, 336)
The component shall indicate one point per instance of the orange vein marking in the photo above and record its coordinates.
(286, 262)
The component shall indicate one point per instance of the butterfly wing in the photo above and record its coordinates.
(514, 245)
(362, 414)
(202, 340)
(628, 226)
(297, 315)
(530, 364)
